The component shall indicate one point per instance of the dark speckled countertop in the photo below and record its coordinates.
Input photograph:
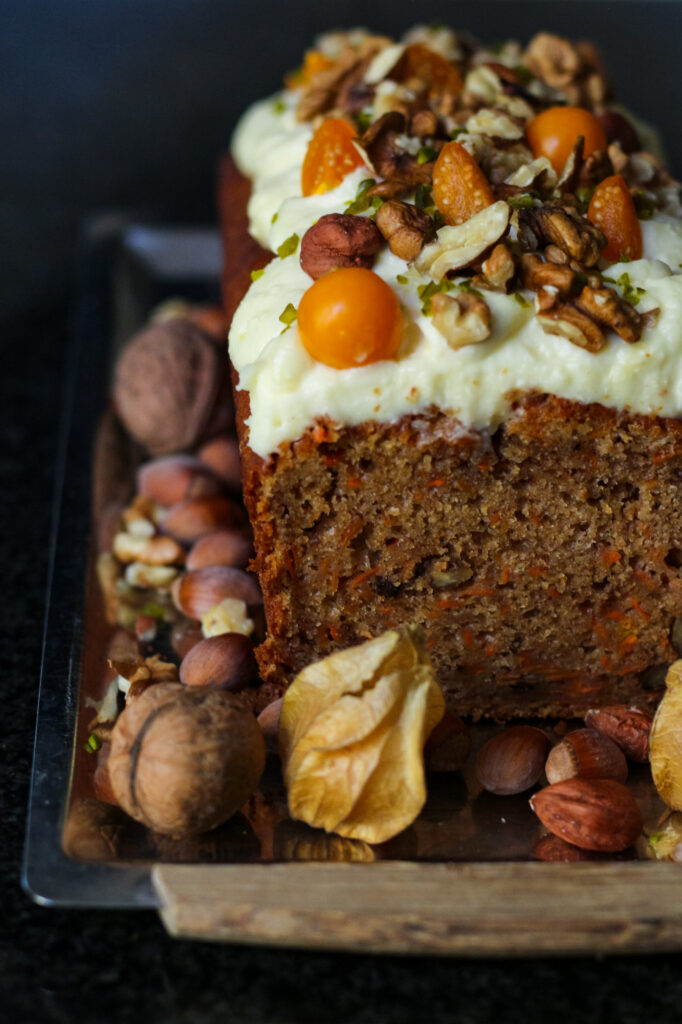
(129, 103)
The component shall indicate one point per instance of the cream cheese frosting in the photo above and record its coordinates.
(289, 390)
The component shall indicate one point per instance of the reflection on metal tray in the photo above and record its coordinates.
(127, 269)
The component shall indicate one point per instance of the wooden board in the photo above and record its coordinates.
(460, 909)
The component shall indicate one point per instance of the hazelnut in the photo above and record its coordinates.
(192, 519)
(171, 387)
(224, 547)
(586, 754)
(339, 240)
(185, 635)
(184, 759)
(173, 478)
(226, 661)
(512, 761)
(268, 721)
(221, 455)
(203, 589)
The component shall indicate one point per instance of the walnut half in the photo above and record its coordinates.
(576, 327)
(462, 319)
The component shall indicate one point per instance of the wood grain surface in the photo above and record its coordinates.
(461, 909)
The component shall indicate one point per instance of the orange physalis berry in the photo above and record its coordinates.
(330, 156)
(439, 75)
(553, 133)
(460, 188)
(612, 210)
(350, 317)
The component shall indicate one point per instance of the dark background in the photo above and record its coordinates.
(127, 104)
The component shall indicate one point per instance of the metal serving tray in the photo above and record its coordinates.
(461, 880)
(126, 269)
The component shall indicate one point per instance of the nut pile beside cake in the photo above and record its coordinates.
(458, 368)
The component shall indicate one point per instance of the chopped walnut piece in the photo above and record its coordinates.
(570, 323)
(536, 275)
(394, 188)
(556, 255)
(387, 157)
(330, 86)
(575, 69)
(499, 268)
(563, 226)
(339, 240)
(610, 310)
(462, 319)
(546, 299)
(553, 59)
(405, 227)
(142, 673)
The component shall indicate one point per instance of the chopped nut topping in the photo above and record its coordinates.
(564, 227)
(148, 550)
(575, 69)
(610, 310)
(387, 157)
(462, 319)
(495, 124)
(536, 275)
(570, 323)
(325, 89)
(339, 240)
(405, 227)
(456, 246)
(499, 268)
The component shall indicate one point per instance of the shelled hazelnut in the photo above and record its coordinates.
(512, 761)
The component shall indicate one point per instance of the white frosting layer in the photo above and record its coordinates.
(289, 390)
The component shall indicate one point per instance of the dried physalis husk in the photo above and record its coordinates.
(665, 740)
(352, 732)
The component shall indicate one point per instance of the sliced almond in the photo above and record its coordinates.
(527, 174)
(384, 62)
(458, 245)
(495, 124)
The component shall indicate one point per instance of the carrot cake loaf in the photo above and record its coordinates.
(458, 367)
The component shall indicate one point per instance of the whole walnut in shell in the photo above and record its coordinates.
(171, 387)
(184, 759)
